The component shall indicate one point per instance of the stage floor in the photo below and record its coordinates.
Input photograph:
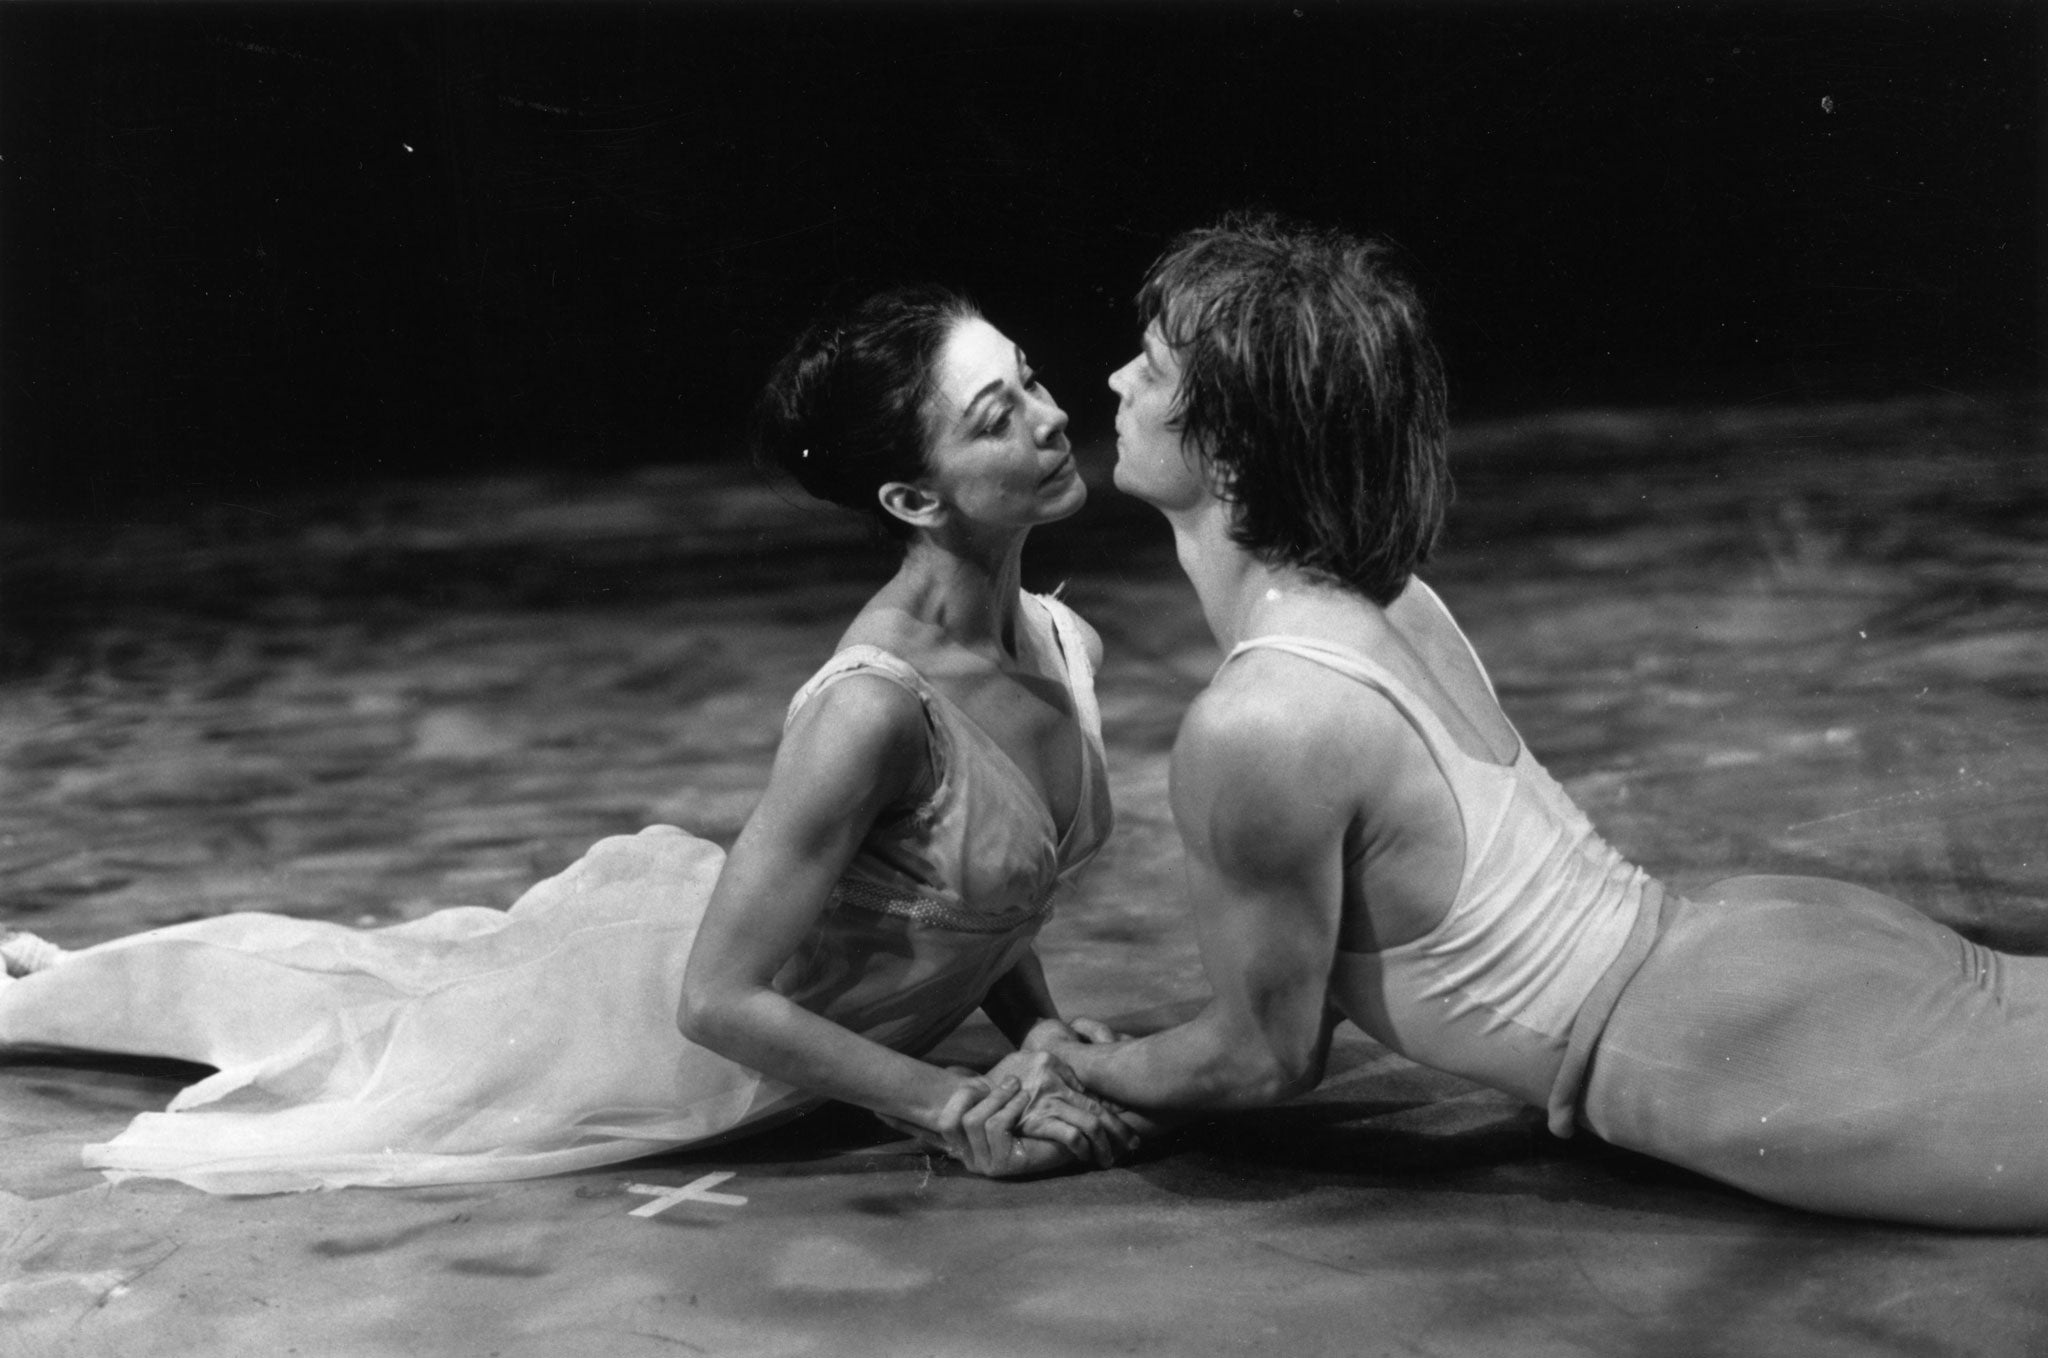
(1800, 641)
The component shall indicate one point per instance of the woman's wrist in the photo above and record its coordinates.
(955, 1088)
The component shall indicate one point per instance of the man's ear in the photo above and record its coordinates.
(1213, 475)
(913, 504)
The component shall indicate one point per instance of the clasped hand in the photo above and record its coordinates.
(1029, 1115)
(1034, 1117)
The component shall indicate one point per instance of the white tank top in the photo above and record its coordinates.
(1544, 907)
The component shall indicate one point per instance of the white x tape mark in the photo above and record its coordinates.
(697, 1190)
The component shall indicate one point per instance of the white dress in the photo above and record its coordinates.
(479, 1044)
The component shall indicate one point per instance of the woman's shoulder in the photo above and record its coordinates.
(858, 720)
(858, 698)
(865, 683)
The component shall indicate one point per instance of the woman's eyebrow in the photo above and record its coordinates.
(995, 385)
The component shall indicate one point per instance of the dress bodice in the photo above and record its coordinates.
(947, 891)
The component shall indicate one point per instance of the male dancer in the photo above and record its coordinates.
(1286, 414)
(1365, 832)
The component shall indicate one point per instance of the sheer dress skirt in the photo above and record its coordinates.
(473, 1044)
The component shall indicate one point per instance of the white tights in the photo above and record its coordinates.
(1831, 1048)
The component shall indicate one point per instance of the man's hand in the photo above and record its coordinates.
(980, 1127)
(1027, 1116)
(1048, 1035)
(1058, 1109)
(1095, 1132)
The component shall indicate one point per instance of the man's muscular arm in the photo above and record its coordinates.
(1261, 794)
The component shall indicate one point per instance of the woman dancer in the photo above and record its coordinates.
(1367, 832)
(938, 779)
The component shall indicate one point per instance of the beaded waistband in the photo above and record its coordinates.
(938, 911)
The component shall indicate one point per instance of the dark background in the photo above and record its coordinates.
(253, 248)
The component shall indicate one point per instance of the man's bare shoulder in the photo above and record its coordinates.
(1268, 703)
(1279, 757)
(1268, 770)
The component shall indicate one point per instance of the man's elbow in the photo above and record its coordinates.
(1296, 1079)
(1273, 1077)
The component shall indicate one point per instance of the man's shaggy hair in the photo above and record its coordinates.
(1311, 388)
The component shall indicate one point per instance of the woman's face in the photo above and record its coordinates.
(1151, 462)
(999, 453)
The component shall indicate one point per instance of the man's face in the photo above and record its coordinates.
(1151, 463)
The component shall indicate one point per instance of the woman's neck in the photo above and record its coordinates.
(969, 592)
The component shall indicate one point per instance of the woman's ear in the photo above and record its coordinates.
(913, 504)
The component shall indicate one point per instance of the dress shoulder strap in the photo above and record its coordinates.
(1073, 648)
(860, 659)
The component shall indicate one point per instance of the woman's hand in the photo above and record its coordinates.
(980, 1127)
(1026, 1116)
(1059, 1110)
(1058, 1041)
(1090, 1130)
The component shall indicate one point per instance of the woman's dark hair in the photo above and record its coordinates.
(844, 412)
(1311, 387)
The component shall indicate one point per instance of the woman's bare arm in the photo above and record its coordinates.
(853, 751)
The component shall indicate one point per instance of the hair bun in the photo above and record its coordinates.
(843, 412)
